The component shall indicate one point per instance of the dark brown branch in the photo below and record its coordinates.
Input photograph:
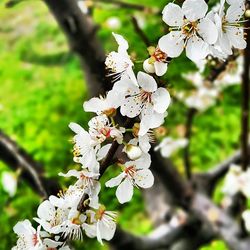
(188, 134)
(161, 238)
(245, 102)
(140, 32)
(16, 157)
(81, 34)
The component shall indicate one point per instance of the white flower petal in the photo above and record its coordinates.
(125, 191)
(150, 121)
(131, 107)
(161, 100)
(207, 30)
(172, 43)
(70, 173)
(103, 151)
(146, 81)
(144, 178)
(236, 37)
(173, 15)
(235, 12)
(143, 162)
(194, 9)
(46, 211)
(160, 68)
(122, 43)
(77, 128)
(95, 105)
(115, 181)
(196, 49)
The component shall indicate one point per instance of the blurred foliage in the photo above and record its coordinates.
(42, 90)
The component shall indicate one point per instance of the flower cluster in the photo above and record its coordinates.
(202, 33)
(140, 100)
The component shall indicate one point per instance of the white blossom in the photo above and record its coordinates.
(101, 129)
(84, 148)
(143, 99)
(169, 145)
(87, 182)
(135, 173)
(28, 237)
(119, 63)
(190, 29)
(102, 224)
(230, 33)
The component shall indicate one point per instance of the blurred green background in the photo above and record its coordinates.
(42, 89)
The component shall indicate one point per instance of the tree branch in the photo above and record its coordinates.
(188, 134)
(16, 157)
(140, 32)
(245, 101)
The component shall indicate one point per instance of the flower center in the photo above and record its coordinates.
(34, 239)
(159, 56)
(189, 28)
(145, 96)
(100, 212)
(130, 171)
(105, 131)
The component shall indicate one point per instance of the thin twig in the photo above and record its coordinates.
(140, 32)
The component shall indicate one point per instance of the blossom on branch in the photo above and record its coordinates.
(190, 29)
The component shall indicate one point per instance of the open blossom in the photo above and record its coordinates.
(101, 129)
(169, 145)
(119, 63)
(101, 224)
(157, 63)
(143, 99)
(190, 29)
(57, 217)
(237, 181)
(51, 218)
(230, 33)
(135, 173)
(84, 148)
(28, 237)
(87, 182)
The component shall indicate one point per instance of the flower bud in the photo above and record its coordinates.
(133, 152)
(148, 66)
